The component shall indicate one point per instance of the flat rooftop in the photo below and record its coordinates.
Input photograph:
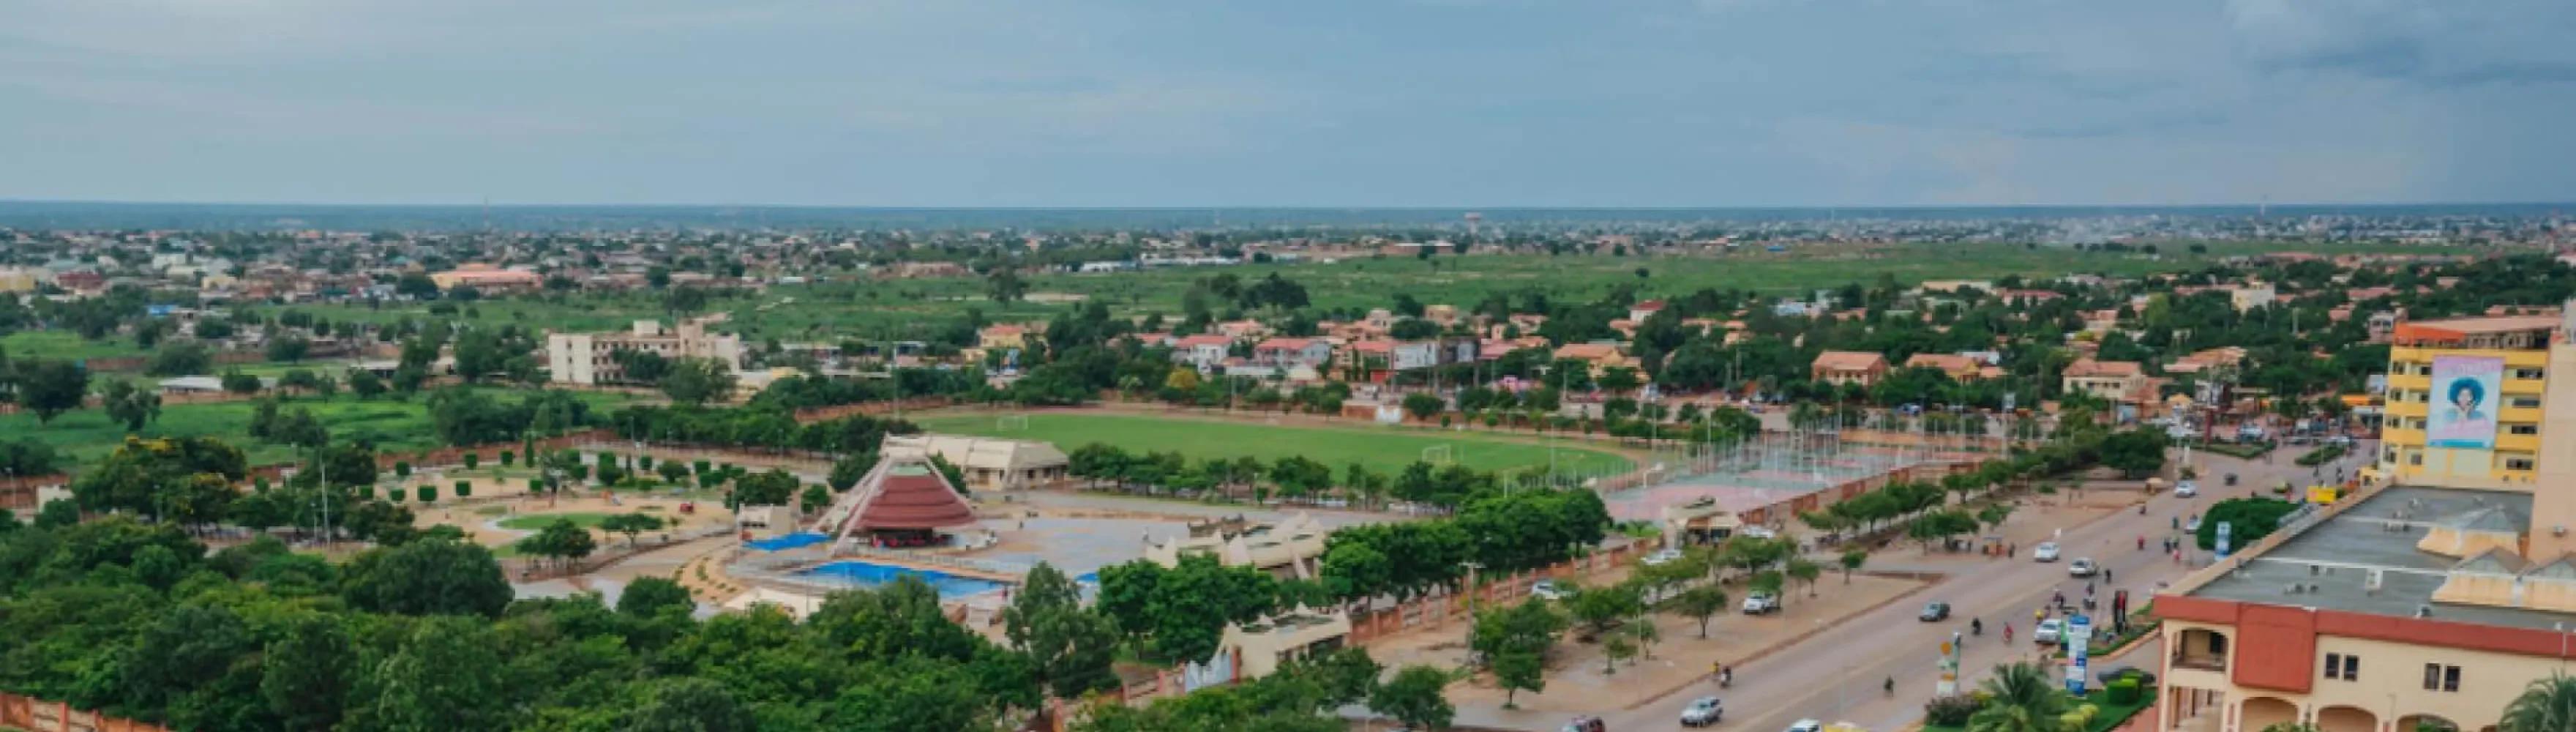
(2337, 556)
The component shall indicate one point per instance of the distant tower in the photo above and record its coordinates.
(1474, 218)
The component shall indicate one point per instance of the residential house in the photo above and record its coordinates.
(2109, 380)
(1601, 355)
(1202, 352)
(1285, 352)
(1848, 367)
(1958, 366)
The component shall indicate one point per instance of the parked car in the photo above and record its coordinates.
(1550, 590)
(2045, 552)
(1585, 724)
(1934, 611)
(1703, 712)
(2081, 567)
(1661, 557)
(1806, 725)
(2187, 489)
(2051, 630)
(1760, 603)
(1759, 532)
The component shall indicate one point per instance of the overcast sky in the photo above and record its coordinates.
(1289, 102)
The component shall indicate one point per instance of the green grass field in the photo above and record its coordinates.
(86, 435)
(1384, 449)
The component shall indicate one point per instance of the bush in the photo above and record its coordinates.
(536, 485)
(472, 460)
(259, 484)
(507, 457)
(581, 472)
(700, 467)
(2122, 691)
(2253, 518)
(2321, 455)
(607, 458)
(402, 468)
(393, 494)
(1951, 711)
(426, 494)
(643, 462)
(464, 488)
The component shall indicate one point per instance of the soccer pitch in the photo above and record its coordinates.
(1383, 449)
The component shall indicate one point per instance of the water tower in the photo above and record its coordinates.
(1474, 218)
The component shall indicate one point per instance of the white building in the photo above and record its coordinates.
(590, 358)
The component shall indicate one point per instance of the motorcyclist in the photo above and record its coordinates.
(1976, 626)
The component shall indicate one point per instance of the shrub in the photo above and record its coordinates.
(536, 485)
(607, 458)
(2321, 455)
(701, 467)
(402, 468)
(472, 460)
(464, 488)
(581, 472)
(507, 457)
(2122, 691)
(259, 484)
(393, 494)
(643, 462)
(426, 494)
(1951, 711)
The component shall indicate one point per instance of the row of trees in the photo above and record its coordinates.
(762, 427)
(1295, 477)
(1502, 532)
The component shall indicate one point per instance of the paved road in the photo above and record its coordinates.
(1838, 676)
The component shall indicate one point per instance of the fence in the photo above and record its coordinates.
(1435, 612)
(37, 715)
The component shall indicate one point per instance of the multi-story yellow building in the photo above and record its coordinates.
(2515, 352)
(2428, 601)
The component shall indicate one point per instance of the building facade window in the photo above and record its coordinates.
(2334, 665)
(2519, 464)
(2524, 402)
(2522, 429)
(2529, 373)
(2438, 677)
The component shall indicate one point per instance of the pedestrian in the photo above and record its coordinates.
(2107, 577)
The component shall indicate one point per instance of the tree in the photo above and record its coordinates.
(850, 469)
(427, 578)
(1071, 647)
(1413, 697)
(630, 524)
(50, 388)
(2545, 705)
(691, 704)
(1805, 572)
(698, 381)
(446, 675)
(1699, 603)
(180, 358)
(289, 349)
(365, 384)
(312, 692)
(2136, 453)
(650, 596)
(130, 405)
(2021, 697)
(1005, 285)
(235, 381)
(563, 540)
(1852, 560)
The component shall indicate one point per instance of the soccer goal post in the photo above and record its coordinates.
(1011, 423)
(1438, 455)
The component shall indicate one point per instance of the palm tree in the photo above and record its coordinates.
(2547, 705)
(2021, 698)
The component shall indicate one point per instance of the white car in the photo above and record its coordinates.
(2186, 489)
(2081, 567)
(2045, 552)
(1550, 590)
(1662, 557)
(2193, 525)
(1760, 603)
(1759, 532)
(1806, 725)
(2051, 630)
(1703, 712)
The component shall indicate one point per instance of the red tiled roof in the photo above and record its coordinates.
(912, 501)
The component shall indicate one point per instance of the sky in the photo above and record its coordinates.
(1375, 103)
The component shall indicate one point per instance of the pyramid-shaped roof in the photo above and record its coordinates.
(909, 495)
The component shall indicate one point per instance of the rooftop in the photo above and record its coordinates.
(2494, 324)
(2337, 556)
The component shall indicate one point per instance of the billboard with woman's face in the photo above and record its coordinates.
(2465, 393)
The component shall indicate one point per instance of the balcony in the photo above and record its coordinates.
(2201, 661)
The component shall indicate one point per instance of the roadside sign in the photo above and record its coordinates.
(2079, 641)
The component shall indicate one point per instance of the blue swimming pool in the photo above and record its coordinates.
(798, 540)
(865, 574)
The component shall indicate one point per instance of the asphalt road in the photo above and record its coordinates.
(1839, 675)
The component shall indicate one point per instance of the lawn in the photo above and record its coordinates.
(65, 344)
(1384, 449)
(86, 435)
